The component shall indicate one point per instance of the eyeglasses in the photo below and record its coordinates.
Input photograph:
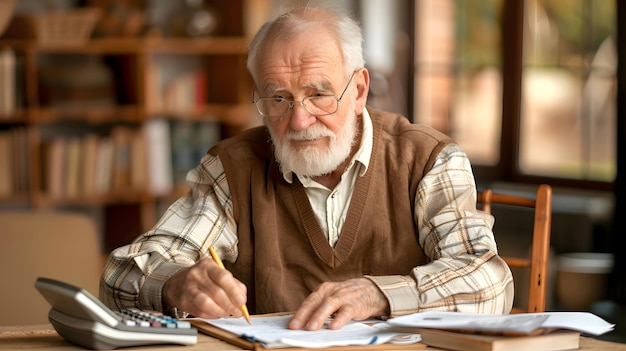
(317, 105)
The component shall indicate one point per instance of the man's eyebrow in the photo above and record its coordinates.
(270, 89)
(323, 85)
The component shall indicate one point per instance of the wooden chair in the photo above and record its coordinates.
(537, 263)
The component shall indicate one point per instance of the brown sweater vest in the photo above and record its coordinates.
(283, 252)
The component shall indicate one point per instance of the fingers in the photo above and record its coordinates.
(356, 299)
(205, 290)
(314, 311)
(224, 289)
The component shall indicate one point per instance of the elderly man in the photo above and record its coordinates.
(330, 209)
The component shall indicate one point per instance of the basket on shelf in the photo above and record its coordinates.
(6, 11)
(56, 27)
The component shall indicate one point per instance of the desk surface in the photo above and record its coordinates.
(44, 337)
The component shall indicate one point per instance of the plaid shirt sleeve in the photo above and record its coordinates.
(135, 274)
(465, 272)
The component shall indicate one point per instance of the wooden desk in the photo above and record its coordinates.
(44, 337)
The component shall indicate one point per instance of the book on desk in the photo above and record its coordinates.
(449, 340)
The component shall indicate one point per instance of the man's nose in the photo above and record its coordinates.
(300, 118)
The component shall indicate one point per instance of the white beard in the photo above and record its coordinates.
(315, 161)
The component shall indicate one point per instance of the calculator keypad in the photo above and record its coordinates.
(132, 317)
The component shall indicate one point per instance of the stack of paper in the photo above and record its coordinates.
(521, 323)
(272, 332)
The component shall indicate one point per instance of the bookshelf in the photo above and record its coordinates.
(114, 123)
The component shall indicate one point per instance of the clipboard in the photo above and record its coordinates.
(238, 341)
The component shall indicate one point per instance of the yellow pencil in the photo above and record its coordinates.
(218, 260)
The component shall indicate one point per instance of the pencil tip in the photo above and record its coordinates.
(246, 315)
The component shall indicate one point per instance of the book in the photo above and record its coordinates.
(139, 176)
(6, 165)
(20, 88)
(90, 162)
(57, 163)
(183, 156)
(158, 156)
(73, 171)
(104, 166)
(121, 138)
(201, 87)
(20, 160)
(207, 133)
(449, 340)
(7, 81)
(153, 84)
(179, 95)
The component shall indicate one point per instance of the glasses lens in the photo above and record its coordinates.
(321, 105)
(272, 107)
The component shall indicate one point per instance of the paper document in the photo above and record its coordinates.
(524, 323)
(272, 332)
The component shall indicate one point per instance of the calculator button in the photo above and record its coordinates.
(129, 322)
(183, 324)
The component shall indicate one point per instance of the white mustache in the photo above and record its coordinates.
(312, 133)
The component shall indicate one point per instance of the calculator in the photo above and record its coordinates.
(82, 319)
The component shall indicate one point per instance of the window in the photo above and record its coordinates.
(569, 89)
(458, 79)
(527, 87)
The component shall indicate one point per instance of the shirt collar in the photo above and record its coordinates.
(363, 154)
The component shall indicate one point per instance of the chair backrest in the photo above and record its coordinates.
(537, 263)
(55, 244)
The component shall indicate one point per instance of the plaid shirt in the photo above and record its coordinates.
(465, 272)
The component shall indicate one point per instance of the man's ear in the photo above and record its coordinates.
(362, 82)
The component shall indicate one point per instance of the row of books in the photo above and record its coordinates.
(93, 164)
(14, 162)
(175, 147)
(175, 86)
(153, 159)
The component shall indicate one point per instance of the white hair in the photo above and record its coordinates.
(298, 20)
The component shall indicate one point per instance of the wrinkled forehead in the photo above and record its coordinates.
(301, 53)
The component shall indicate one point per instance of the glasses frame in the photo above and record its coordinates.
(292, 103)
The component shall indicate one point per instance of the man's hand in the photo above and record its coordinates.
(354, 299)
(205, 290)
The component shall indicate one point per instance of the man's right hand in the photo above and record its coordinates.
(205, 290)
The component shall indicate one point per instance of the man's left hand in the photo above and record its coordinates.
(354, 299)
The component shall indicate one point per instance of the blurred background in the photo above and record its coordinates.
(105, 105)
